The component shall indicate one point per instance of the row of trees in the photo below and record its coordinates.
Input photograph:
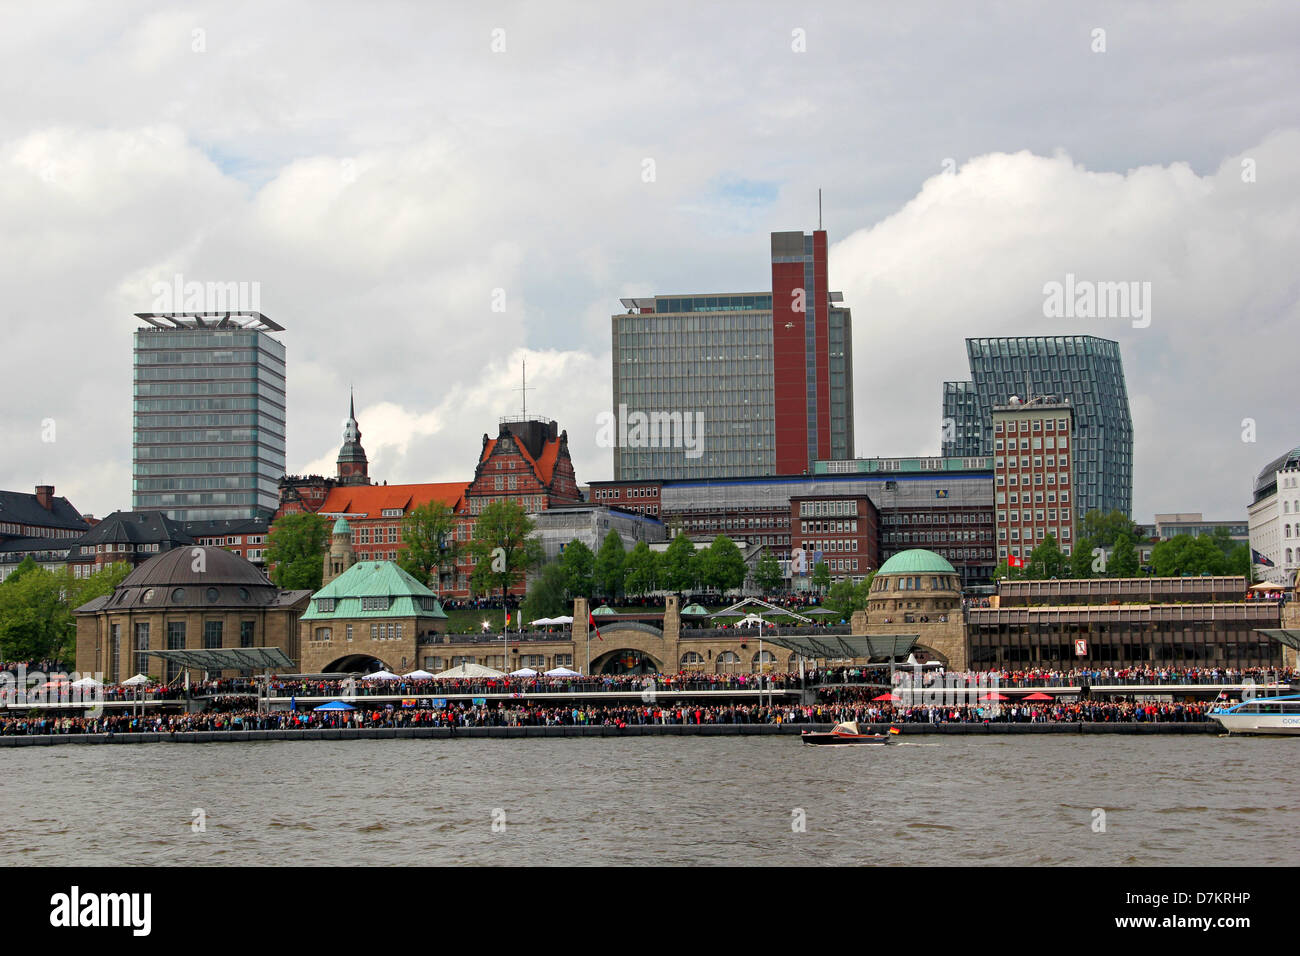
(1107, 548)
(36, 606)
(613, 572)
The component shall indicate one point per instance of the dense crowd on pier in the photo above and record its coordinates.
(621, 715)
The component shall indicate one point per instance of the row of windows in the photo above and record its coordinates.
(832, 544)
(1037, 425)
(829, 527)
(1038, 479)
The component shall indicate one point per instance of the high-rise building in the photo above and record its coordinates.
(1032, 476)
(736, 384)
(209, 415)
(1082, 370)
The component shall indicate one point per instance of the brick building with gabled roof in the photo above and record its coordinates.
(527, 462)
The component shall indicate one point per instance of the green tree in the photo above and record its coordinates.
(611, 566)
(821, 576)
(642, 570)
(429, 534)
(721, 565)
(36, 619)
(296, 549)
(1105, 529)
(1046, 560)
(1082, 558)
(864, 591)
(767, 573)
(579, 566)
(1238, 561)
(678, 571)
(843, 598)
(503, 548)
(548, 595)
(1124, 559)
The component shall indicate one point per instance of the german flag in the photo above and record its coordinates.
(894, 730)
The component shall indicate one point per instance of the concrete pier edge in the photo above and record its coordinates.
(632, 730)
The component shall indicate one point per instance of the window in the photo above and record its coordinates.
(211, 634)
(245, 633)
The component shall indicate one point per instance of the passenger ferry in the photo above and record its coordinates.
(1261, 715)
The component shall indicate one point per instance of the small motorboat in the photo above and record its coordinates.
(846, 733)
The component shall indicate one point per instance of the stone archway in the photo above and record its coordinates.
(930, 654)
(352, 663)
(625, 660)
(637, 641)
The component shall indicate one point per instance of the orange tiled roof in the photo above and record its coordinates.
(371, 500)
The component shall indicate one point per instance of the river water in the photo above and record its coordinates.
(656, 800)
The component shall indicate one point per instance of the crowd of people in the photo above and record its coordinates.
(525, 714)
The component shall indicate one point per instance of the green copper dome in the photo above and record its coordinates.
(341, 526)
(916, 561)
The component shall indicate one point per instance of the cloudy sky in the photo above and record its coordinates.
(381, 170)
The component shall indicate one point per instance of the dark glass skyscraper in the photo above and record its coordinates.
(209, 416)
(1084, 370)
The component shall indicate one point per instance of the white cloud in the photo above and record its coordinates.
(970, 254)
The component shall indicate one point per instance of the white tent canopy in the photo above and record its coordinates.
(563, 619)
(524, 672)
(562, 672)
(137, 679)
(87, 682)
(382, 675)
(469, 670)
(542, 621)
(420, 675)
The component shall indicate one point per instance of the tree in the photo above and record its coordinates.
(1123, 560)
(864, 591)
(843, 598)
(721, 566)
(611, 564)
(1046, 560)
(429, 534)
(641, 574)
(767, 573)
(1238, 561)
(579, 565)
(36, 620)
(503, 548)
(1082, 558)
(821, 576)
(678, 572)
(296, 551)
(1105, 529)
(548, 596)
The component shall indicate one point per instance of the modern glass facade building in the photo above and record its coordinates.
(962, 430)
(1083, 370)
(767, 375)
(209, 416)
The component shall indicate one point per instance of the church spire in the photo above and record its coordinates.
(353, 467)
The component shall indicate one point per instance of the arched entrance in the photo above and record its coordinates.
(355, 663)
(625, 660)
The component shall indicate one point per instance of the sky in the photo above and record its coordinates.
(425, 195)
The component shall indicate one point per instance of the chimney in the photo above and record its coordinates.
(45, 496)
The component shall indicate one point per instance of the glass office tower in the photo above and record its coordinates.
(209, 415)
(710, 355)
(770, 372)
(1084, 370)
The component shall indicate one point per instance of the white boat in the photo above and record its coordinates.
(1261, 715)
